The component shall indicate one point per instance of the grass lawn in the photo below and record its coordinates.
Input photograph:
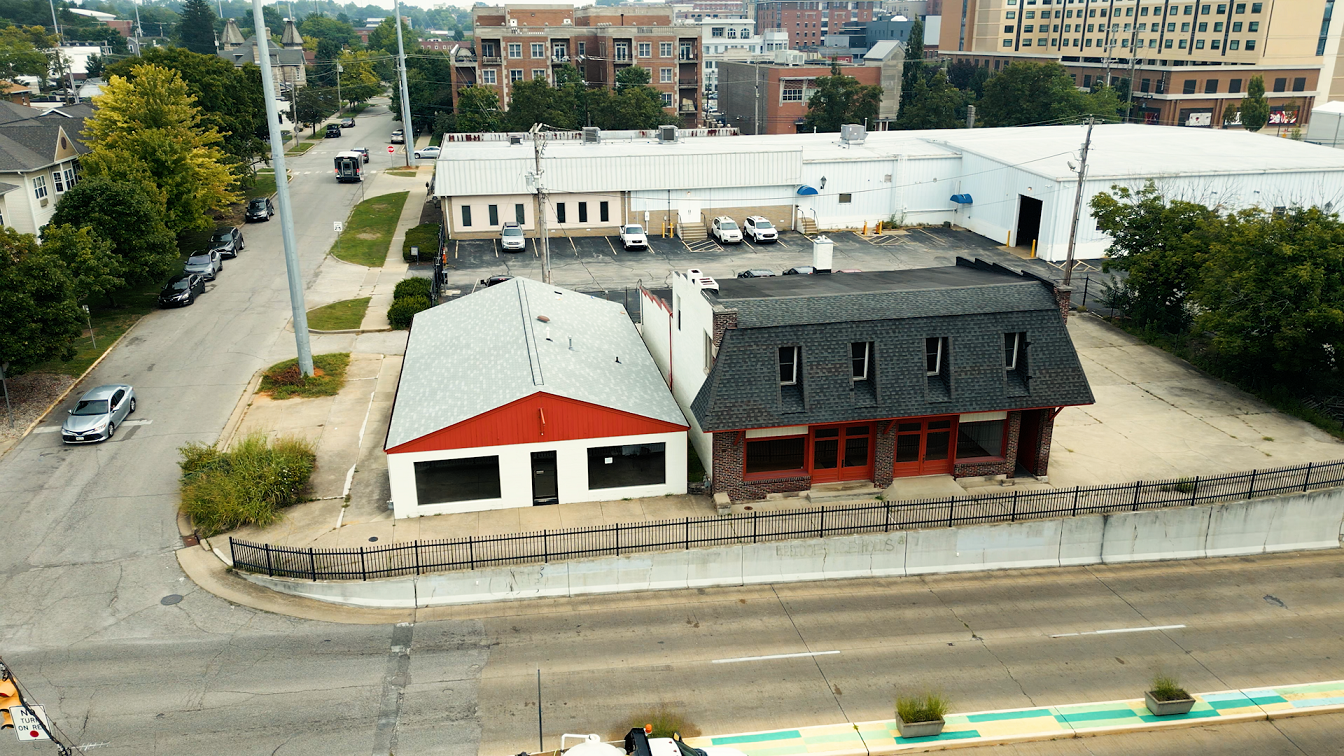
(264, 186)
(409, 172)
(368, 232)
(436, 139)
(109, 323)
(339, 316)
(283, 379)
(301, 148)
(426, 237)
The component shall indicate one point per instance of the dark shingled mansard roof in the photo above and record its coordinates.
(972, 304)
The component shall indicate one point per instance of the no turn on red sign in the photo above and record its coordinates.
(26, 725)
(391, 149)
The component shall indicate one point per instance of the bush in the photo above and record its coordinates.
(426, 237)
(247, 485)
(284, 379)
(1167, 688)
(928, 707)
(403, 310)
(665, 721)
(411, 287)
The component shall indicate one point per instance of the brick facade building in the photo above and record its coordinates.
(807, 21)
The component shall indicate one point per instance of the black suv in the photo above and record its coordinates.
(228, 242)
(333, 130)
(259, 209)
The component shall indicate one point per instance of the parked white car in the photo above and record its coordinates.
(761, 230)
(633, 237)
(511, 238)
(427, 153)
(725, 230)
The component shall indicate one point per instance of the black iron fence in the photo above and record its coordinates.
(418, 557)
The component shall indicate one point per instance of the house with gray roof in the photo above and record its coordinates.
(39, 161)
(287, 60)
(525, 394)
(803, 383)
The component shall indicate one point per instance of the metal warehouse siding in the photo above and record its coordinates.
(539, 418)
(589, 170)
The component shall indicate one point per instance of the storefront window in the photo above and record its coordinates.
(623, 466)
(775, 455)
(978, 440)
(441, 481)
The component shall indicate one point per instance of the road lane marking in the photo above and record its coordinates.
(1121, 630)
(772, 656)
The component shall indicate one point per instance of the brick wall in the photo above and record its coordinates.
(1062, 296)
(1009, 462)
(729, 449)
(1043, 442)
(884, 453)
(722, 322)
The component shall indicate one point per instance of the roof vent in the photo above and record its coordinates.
(700, 280)
(853, 133)
(543, 318)
(667, 133)
(592, 135)
(515, 138)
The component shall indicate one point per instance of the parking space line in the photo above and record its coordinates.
(572, 245)
(495, 246)
(612, 246)
(456, 246)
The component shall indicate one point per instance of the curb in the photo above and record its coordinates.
(239, 411)
(290, 327)
(71, 387)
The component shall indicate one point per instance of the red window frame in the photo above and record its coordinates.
(805, 470)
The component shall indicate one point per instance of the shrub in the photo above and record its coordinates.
(426, 237)
(247, 485)
(665, 721)
(403, 310)
(927, 707)
(1167, 688)
(411, 287)
(284, 379)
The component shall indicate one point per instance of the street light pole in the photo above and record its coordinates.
(295, 274)
(407, 130)
(1077, 201)
(537, 146)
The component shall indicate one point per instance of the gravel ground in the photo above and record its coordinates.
(29, 396)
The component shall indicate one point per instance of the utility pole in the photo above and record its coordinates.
(339, 103)
(970, 116)
(537, 148)
(406, 129)
(1077, 200)
(305, 352)
(1133, 58)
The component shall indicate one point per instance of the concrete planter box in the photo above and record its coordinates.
(919, 729)
(1167, 708)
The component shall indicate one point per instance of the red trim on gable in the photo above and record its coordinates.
(534, 419)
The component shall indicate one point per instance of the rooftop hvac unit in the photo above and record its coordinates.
(592, 135)
(700, 280)
(515, 138)
(667, 133)
(853, 133)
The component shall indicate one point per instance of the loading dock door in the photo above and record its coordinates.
(1028, 220)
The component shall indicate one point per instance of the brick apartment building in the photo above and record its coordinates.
(1191, 60)
(808, 21)
(527, 41)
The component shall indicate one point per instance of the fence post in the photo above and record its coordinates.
(886, 517)
(821, 524)
(417, 557)
(688, 534)
(233, 552)
(1194, 491)
(1135, 506)
(269, 571)
(618, 539)
(1251, 493)
(363, 569)
(546, 549)
(471, 551)
(753, 526)
(312, 564)
(951, 502)
(1013, 518)
(1305, 482)
(1076, 489)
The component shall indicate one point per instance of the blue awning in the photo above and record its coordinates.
(962, 199)
(806, 190)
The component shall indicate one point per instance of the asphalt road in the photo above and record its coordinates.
(88, 582)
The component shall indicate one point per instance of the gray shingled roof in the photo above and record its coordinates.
(30, 142)
(743, 391)
(487, 349)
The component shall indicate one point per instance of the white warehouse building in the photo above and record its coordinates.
(1013, 185)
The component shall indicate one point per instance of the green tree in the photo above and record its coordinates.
(149, 130)
(384, 37)
(312, 105)
(1158, 243)
(1272, 295)
(359, 81)
(271, 16)
(129, 216)
(534, 102)
(1029, 93)
(841, 99)
(914, 68)
(22, 51)
(96, 270)
(1255, 108)
(477, 110)
(631, 76)
(196, 32)
(932, 104)
(230, 99)
(39, 313)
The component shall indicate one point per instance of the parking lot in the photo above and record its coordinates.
(598, 263)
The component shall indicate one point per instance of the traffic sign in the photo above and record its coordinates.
(337, 226)
(26, 725)
(391, 149)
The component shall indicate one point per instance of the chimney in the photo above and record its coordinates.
(822, 248)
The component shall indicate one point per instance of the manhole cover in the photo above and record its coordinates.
(372, 539)
(171, 599)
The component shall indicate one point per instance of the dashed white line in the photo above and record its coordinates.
(1121, 630)
(772, 656)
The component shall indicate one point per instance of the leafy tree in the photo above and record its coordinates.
(23, 51)
(129, 216)
(89, 258)
(270, 15)
(149, 129)
(1158, 242)
(1272, 294)
(39, 313)
(339, 33)
(93, 66)
(359, 81)
(230, 99)
(196, 32)
(913, 69)
(384, 37)
(932, 104)
(631, 76)
(635, 104)
(313, 104)
(841, 99)
(477, 110)
(1029, 93)
(1255, 108)
(535, 102)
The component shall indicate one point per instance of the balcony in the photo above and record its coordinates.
(689, 107)
(491, 60)
(688, 84)
(687, 56)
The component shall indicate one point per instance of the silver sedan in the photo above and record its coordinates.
(97, 414)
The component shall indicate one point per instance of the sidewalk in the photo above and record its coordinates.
(1042, 723)
(380, 282)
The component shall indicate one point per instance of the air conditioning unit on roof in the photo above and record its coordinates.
(592, 135)
(667, 133)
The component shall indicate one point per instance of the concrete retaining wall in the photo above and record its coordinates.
(1285, 523)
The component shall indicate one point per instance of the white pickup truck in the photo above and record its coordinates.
(633, 237)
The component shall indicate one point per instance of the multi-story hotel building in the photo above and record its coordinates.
(808, 21)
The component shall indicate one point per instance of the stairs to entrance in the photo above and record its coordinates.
(849, 491)
(692, 232)
(809, 226)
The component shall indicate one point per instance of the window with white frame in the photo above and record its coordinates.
(71, 177)
(1013, 346)
(583, 48)
(645, 49)
(791, 94)
(622, 51)
(665, 75)
(516, 74)
(488, 77)
(860, 352)
(664, 49)
(788, 366)
(709, 352)
(58, 182)
(539, 73)
(515, 49)
(934, 352)
(538, 49)
(40, 187)
(667, 99)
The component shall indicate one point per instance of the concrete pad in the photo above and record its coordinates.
(923, 487)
